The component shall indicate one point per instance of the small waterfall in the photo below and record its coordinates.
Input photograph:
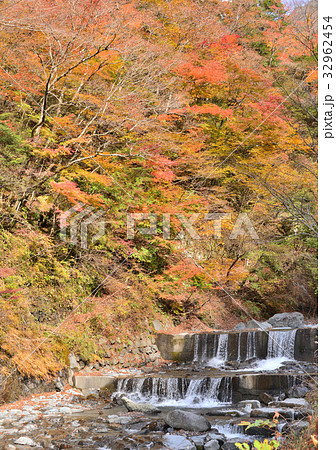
(281, 344)
(196, 344)
(223, 347)
(239, 347)
(207, 346)
(205, 391)
(251, 348)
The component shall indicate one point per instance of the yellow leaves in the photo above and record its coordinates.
(314, 440)
(44, 203)
(95, 177)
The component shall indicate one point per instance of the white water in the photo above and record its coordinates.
(229, 430)
(280, 349)
(192, 393)
(281, 344)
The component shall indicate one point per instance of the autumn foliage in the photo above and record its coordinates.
(177, 107)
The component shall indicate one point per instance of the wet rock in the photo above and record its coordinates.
(265, 398)
(24, 440)
(120, 420)
(291, 403)
(141, 407)
(252, 403)
(291, 320)
(268, 413)
(175, 442)
(260, 431)
(226, 412)
(232, 364)
(187, 421)
(220, 438)
(212, 445)
(198, 441)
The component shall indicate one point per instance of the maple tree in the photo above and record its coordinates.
(178, 108)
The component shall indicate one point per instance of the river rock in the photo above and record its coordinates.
(260, 431)
(295, 427)
(265, 398)
(291, 403)
(24, 440)
(268, 412)
(187, 421)
(176, 442)
(225, 412)
(252, 403)
(140, 407)
(291, 320)
(211, 445)
(297, 391)
(215, 437)
(120, 420)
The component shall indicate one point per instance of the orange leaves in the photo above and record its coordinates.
(210, 108)
(53, 152)
(71, 191)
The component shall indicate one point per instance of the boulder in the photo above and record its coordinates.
(290, 320)
(253, 324)
(139, 407)
(187, 421)
(239, 326)
(176, 442)
(258, 325)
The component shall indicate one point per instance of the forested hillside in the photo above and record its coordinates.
(174, 108)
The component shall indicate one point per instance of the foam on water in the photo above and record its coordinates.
(189, 393)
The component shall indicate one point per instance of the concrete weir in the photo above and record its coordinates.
(299, 344)
(216, 387)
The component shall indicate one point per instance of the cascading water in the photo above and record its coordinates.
(216, 349)
(251, 348)
(281, 344)
(172, 391)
